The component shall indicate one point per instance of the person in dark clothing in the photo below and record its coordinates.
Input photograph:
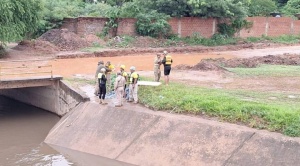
(99, 67)
(167, 62)
(102, 86)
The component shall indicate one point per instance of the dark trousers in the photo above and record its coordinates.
(102, 91)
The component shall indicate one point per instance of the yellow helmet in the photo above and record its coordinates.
(122, 67)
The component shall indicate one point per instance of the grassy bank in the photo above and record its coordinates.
(268, 70)
(252, 109)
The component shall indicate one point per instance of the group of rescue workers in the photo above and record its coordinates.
(126, 84)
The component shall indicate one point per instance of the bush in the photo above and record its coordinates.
(261, 7)
(153, 24)
(292, 7)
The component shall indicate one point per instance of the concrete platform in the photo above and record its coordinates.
(36, 81)
(136, 135)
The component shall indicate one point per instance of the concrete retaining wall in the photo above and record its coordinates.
(58, 98)
(136, 135)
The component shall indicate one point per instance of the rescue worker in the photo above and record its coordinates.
(157, 63)
(99, 67)
(109, 68)
(119, 89)
(125, 75)
(102, 85)
(167, 62)
(133, 86)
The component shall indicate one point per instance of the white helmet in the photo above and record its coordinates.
(132, 68)
(103, 70)
(165, 52)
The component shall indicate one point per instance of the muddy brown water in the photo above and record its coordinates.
(23, 129)
(142, 62)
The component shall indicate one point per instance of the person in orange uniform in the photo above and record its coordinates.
(133, 86)
(167, 62)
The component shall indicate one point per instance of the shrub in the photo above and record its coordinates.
(153, 24)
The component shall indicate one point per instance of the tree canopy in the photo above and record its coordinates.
(18, 18)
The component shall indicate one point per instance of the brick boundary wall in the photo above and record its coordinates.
(187, 26)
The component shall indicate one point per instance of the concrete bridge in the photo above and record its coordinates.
(33, 82)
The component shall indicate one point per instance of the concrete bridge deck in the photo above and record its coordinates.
(37, 81)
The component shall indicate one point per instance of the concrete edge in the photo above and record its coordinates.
(79, 93)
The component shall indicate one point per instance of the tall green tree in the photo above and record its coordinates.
(292, 7)
(261, 7)
(234, 9)
(18, 19)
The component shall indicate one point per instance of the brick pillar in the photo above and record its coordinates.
(179, 27)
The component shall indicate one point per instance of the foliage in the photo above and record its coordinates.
(112, 23)
(96, 10)
(286, 39)
(261, 7)
(153, 24)
(267, 71)
(178, 8)
(232, 28)
(18, 18)
(55, 11)
(260, 112)
(219, 9)
(292, 7)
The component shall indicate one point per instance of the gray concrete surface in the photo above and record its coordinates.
(57, 97)
(28, 82)
(139, 136)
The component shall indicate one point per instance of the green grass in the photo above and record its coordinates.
(285, 39)
(252, 109)
(268, 70)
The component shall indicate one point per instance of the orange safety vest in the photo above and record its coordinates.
(168, 60)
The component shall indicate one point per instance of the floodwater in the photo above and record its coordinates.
(142, 62)
(23, 129)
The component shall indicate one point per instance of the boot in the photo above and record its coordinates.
(100, 101)
(104, 102)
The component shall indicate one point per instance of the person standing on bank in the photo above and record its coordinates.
(167, 62)
(102, 86)
(119, 89)
(125, 75)
(133, 86)
(99, 67)
(109, 68)
(157, 63)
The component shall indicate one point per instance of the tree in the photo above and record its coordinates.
(261, 7)
(292, 7)
(18, 18)
(233, 9)
(173, 8)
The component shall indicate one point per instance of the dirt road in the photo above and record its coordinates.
(144, 62)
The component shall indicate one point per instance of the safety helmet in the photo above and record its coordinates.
(165, 52)
(103, 70)
(122, 67)
(100, 62)
(132, 68)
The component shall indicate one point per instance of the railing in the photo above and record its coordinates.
(25, 68)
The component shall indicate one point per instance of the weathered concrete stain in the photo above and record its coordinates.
(136, 135)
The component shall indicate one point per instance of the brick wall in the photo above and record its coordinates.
(276, 26)
(187, 26)
(90, 25)
(126, 26)
(296, 25)
(191, 25)
(258, 28)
